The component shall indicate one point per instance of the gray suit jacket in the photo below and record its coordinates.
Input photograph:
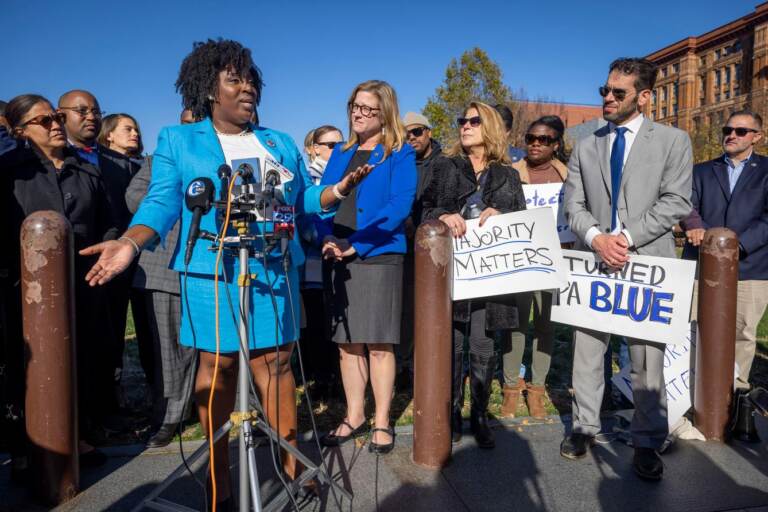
(153, 272)
(655, 191)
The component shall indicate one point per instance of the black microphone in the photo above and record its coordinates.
(224, 174)
(271, 180)
(199, 199)
(247, 171)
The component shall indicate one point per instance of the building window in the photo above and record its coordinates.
(702, 61)
(717, 96)
(663, 94)
(734, 48)
(718, 54)
(674, 109)
(727, 94)
(717, 79)
(663, 72)
(728, 75)
(653, 114)
(676, 68)
(674, 91)
(653, 97)
(663, 112)
(737, 72)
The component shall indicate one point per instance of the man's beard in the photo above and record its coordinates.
(622, 115)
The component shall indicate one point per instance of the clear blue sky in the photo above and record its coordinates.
(312, 53)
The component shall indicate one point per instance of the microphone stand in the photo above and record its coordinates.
(248, 420)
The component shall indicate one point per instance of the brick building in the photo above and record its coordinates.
(704, 78)
(571, 113)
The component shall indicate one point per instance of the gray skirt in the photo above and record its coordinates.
(363, 302)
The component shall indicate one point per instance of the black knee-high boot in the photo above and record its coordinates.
(482, 369)
(457, 395)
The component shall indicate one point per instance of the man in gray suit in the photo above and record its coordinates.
(628, 184)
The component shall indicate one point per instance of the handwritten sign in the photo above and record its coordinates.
(510, 253)
(678, 378)
(650, 298)
(550, 195)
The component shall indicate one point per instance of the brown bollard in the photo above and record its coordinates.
(715, 346)
(432, 345)
(47, 299)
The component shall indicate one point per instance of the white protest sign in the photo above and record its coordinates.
(678, 378)
(649, 299)
(550, 195)
(510, 253)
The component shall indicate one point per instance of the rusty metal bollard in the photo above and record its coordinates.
(432, 346)
(47, 296)
(715, 347)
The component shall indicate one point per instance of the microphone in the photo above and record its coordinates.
(246, 171)
(224, 174)
(199, 199)
(271, 180)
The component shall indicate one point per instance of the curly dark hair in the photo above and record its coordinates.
(199, 74)
(555, 124)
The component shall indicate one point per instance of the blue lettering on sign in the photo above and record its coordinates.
(639, 306)
(196, 188)
(599, 294)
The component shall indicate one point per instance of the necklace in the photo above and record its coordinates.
(241, 134)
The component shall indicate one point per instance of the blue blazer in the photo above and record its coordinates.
(190, 151)
(744, 211)
(384, 200)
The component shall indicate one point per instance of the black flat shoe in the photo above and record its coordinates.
(647, 464)
(162, 437)
(93, 459)
(332, 439)
(575, 446)
(381, 449)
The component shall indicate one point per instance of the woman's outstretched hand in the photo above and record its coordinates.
(114, 257)
(350, 181)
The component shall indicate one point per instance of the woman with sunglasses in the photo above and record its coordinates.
(543, 163)
(477, 181)
(319, 149)
(43, 173)
(364, 247)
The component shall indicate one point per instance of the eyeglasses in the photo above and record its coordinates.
(416, 132)
(84, 111)
(365, 110)
(474, 122)
(46, 120)
(329, 145)
(546, 140)
(619, 94)
(740, 132)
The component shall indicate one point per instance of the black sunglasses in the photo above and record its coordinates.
(474, 122)
(46, 121)
(619, 94)
(741, 132)
(416, 132)
(329, 145)
(546, 140)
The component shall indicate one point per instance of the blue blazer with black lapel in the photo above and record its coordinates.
(384, 200)
(745, 211)
(191, 151)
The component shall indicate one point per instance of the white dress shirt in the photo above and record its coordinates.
(633, 127)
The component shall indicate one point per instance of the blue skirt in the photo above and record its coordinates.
(269, 324)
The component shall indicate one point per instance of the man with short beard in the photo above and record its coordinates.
(628, 184)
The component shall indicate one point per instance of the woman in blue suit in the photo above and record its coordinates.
(364, 247)
(220, 85)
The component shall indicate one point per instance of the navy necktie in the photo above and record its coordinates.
(617, 163)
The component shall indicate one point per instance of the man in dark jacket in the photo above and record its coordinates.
(732, 191)
(428, 151)
(83, 125)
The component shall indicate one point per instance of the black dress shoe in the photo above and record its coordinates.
(647, 464)
(332, 439)
(382, 448)
(575, 446)
(457, 423)
(162, 437)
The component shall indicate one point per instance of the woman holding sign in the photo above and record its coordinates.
(542, 164)
(477, 181)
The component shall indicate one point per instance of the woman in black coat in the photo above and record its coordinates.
(477, 181)
(44, 174)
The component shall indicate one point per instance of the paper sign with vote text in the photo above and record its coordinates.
(510, 253)
(678, 379)
(550, 195)
(649, 299)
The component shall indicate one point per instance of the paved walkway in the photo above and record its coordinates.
(524, 472)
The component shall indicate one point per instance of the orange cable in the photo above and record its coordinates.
(219, 252)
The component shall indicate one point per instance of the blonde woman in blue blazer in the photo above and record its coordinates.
(364, 247)
(221, 86)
